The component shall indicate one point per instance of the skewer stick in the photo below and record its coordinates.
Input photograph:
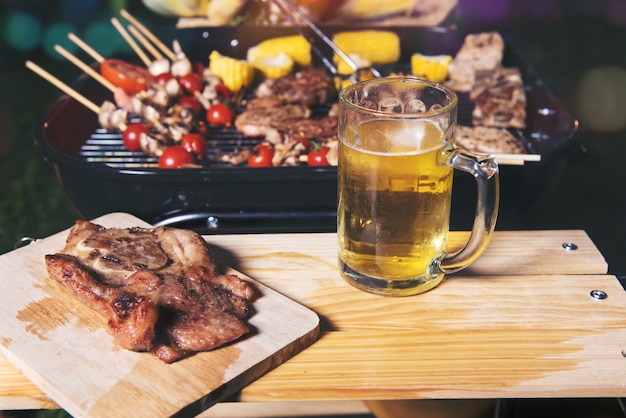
(170, 54)
(516, 159)
(63, 87)
(86, 68)
(145, 43)
(147, 61)
(82, 45)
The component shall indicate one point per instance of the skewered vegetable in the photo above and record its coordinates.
(234, 73)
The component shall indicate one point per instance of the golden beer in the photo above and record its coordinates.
(394, 203)
(396, 163)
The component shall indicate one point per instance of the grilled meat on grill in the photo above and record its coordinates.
(257, 121)
(289, 130)
(307, 87)
(158, 288)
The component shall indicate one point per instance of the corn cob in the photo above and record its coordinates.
(234, 73)
(274, 67)
(433, 68)
(375, 46)
(342, 82)
(372, 9)
(295, 47)
(344, 68)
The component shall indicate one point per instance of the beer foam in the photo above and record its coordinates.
(399, 137)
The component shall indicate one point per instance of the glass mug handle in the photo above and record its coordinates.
(485, 170)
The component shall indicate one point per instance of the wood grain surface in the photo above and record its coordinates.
(520, 322)
(64, 348)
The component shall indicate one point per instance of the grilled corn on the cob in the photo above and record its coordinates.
(433, 68)
(373, 46)
(274, 67)
(295, 47)
(234, 73)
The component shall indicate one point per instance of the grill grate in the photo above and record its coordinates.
(106, 147)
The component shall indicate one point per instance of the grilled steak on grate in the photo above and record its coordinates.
(158, 288)
(308, 87)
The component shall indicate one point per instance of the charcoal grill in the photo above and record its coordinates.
(100, 176)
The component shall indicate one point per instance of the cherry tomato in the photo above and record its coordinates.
(174, 157)
(262, 155)
(163, 78)
(317, 156)
(195, 145)
(220, 114)
(130, 78)
(223, 92)
(191, 83)
(305, 142)
(190, 102)
(132, 136)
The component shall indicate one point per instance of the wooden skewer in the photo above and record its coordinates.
(82, 45)
(62, 86)
(145, 43)
(86, 68)
(170, 54)
(516, 159)
(147, 61)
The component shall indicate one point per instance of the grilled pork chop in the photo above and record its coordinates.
(308, 87)
(258, 120)
(158, 288)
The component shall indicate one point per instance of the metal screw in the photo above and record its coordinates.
(212, 222)
(23, 241)
(569, 246)
(598, 294)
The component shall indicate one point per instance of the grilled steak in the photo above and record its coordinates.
(289, 130)
(500, 99)
(158, 288)
(480, 52)
(307, 87)
(258, 120)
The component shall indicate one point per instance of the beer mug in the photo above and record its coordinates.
(396, 161)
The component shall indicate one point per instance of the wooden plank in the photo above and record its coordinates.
(509, 253)
(304, 267)
(526, 302)
(460, 364)
(64, 349)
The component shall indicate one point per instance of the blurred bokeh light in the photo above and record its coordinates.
(22, 30)
(78, 10)
(601, 99)
(104, 38)
(56, 34)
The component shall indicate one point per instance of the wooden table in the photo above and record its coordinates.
(521, 322)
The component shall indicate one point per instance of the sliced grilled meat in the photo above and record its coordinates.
(158, 288)
(257, 121)
(308, 87)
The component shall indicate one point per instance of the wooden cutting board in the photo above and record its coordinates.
(64, 348)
